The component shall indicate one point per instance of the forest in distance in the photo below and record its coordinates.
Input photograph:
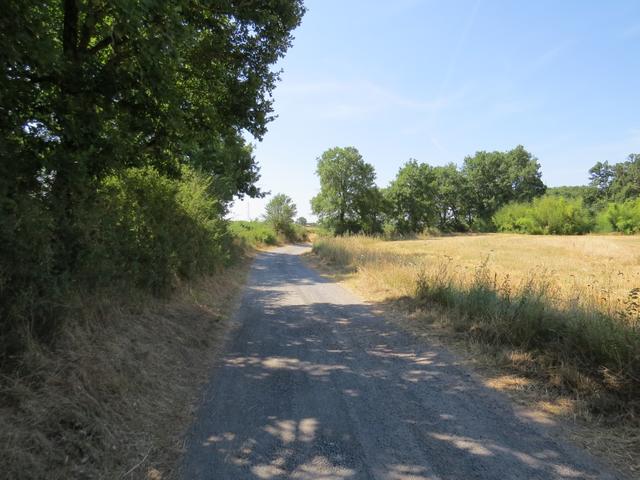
(492, 191)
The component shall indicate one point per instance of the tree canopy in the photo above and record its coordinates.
(497, 178)
(349, 200)
(618, 182)
(280, 212)
(411, 197)
(126, 113)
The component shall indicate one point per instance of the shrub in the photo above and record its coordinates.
(624, 217)
(27, 272)
(254, 233)
(148, 230)
(548, 215)
(140, 229)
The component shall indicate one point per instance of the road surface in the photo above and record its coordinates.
(314, 386)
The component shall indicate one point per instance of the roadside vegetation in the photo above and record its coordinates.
(560, 311)
(123, 128)
(580, 320)
(276, 228)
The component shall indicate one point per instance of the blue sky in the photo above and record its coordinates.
(440, 80)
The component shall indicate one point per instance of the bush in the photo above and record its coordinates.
(139, 229)
(148, 230)
(624, 217)
(254, 233)
(548, 215)
(27, 278)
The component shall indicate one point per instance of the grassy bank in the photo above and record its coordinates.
(112, 396)
(570, 302)
(552, 321)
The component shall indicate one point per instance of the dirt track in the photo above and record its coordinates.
(313, 385)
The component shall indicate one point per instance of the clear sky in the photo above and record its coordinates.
(439, 80)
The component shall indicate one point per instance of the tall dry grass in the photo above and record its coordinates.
(573, 302)
(113, 395)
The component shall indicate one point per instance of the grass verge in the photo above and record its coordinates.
(572, 356)
(114, 395)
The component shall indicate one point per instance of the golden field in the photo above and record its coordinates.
(554, 321)
(591, 269)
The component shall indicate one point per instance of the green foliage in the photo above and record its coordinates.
(149, 230)
(121, 141)
(349, 200)
(545, 215)
(498, 178)
(452, 199)
(411, 198)
(616, 183)
(570, 192)
(624, 217)
(301, 221)
(424, 197)
(254, 233)
(279, 212)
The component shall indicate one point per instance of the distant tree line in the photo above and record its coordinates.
(491, 191)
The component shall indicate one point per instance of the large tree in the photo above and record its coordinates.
(92, 86)
(349, 200)
(451, 198)
(411, 197)
(498, 178)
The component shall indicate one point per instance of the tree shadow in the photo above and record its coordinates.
(317, 389)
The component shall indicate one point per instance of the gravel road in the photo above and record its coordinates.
(314, 386)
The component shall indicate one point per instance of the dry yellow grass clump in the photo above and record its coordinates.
(114, 394)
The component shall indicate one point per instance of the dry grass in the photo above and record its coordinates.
(604, 267)
(581, 285)
(113, 397)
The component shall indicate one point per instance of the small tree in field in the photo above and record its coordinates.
(279, 212)
(301, 221)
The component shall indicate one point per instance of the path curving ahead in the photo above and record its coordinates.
(314, 386)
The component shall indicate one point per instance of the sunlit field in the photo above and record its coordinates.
(571, 302)
(592, 269)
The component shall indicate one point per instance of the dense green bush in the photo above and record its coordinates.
(140, 229)
(623, 217)
(27, 272)
(148, 230)
(545, 215)
(254, 233)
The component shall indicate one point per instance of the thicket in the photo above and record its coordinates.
(546, 215)
(122, 143)
(623, 217)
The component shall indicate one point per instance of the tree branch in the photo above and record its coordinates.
(70, 29)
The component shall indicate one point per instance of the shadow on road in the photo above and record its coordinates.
(317, 389)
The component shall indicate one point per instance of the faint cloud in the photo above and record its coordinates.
(547, 57)
(631, 31)
(353, 99)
